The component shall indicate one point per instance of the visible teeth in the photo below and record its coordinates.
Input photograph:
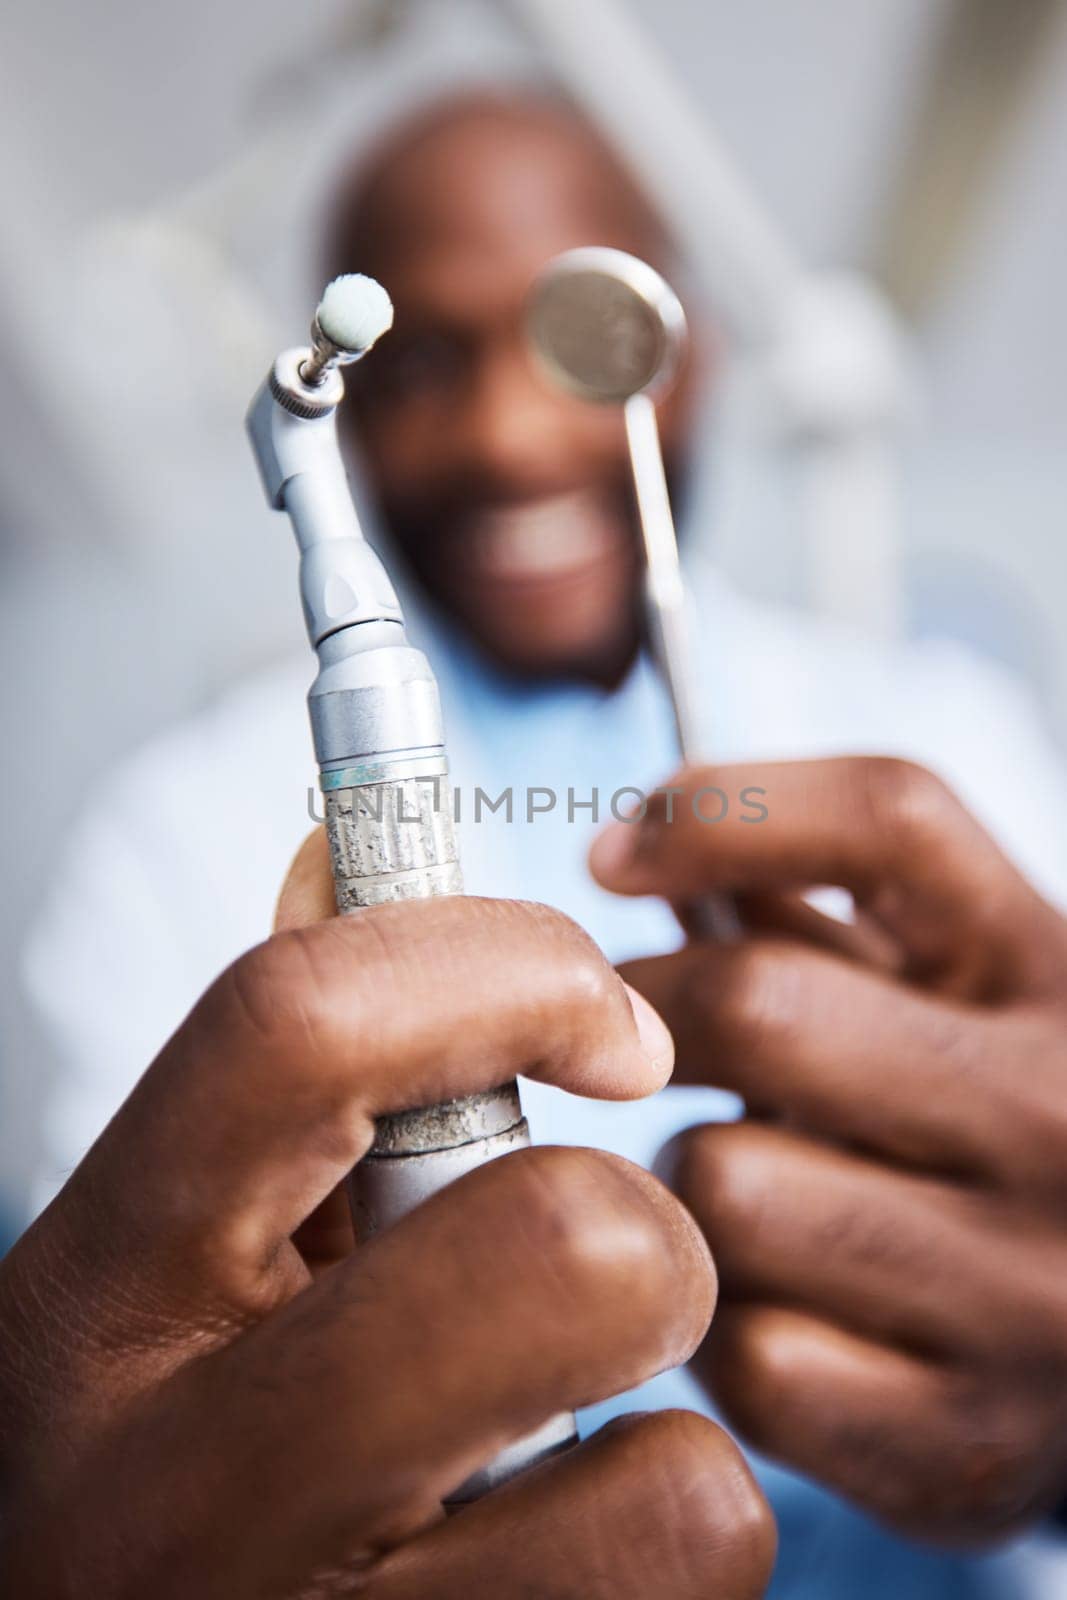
(549, 538)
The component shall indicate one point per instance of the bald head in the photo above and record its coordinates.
(485, 165)
(510, 501)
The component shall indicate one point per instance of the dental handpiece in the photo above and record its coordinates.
(377, 729)
(607, 327)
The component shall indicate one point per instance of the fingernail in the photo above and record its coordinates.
(655, 1036)
(614, 850)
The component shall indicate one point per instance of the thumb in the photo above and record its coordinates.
(307, 893)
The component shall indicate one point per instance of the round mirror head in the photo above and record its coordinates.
(606, 326)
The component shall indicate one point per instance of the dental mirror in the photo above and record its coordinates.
(606, 327)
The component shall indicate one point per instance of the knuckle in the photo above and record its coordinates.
(753, 1002)
(998, 1449)
(719, 1174)
(902, 801)
(901, 1243)
(590, 1211)
(304, 979)
(753, 1374)
(1027, 1096)
(609, 1231)
(586, 977)
(591, 983)
(256, 991)
(703, 1486)
(533, 941)
(303, 996)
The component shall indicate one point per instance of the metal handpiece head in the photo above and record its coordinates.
(606, 326)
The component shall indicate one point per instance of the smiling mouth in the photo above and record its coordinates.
(547, 541)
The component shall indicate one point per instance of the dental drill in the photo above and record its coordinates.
(376, 724)
(607, 327)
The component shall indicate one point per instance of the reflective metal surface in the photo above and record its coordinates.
(606, 326)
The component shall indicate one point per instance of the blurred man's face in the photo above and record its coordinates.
(510, 501)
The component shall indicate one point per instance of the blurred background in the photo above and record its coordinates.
(163, 172)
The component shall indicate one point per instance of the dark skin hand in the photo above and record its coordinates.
(890, 1219)
(204, 1391)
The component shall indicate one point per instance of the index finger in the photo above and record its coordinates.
(888, 831)
(266, 1097)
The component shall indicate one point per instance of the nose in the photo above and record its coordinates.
(519, 435)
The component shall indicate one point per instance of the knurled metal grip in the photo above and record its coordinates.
(392, 841)
(395, 840)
